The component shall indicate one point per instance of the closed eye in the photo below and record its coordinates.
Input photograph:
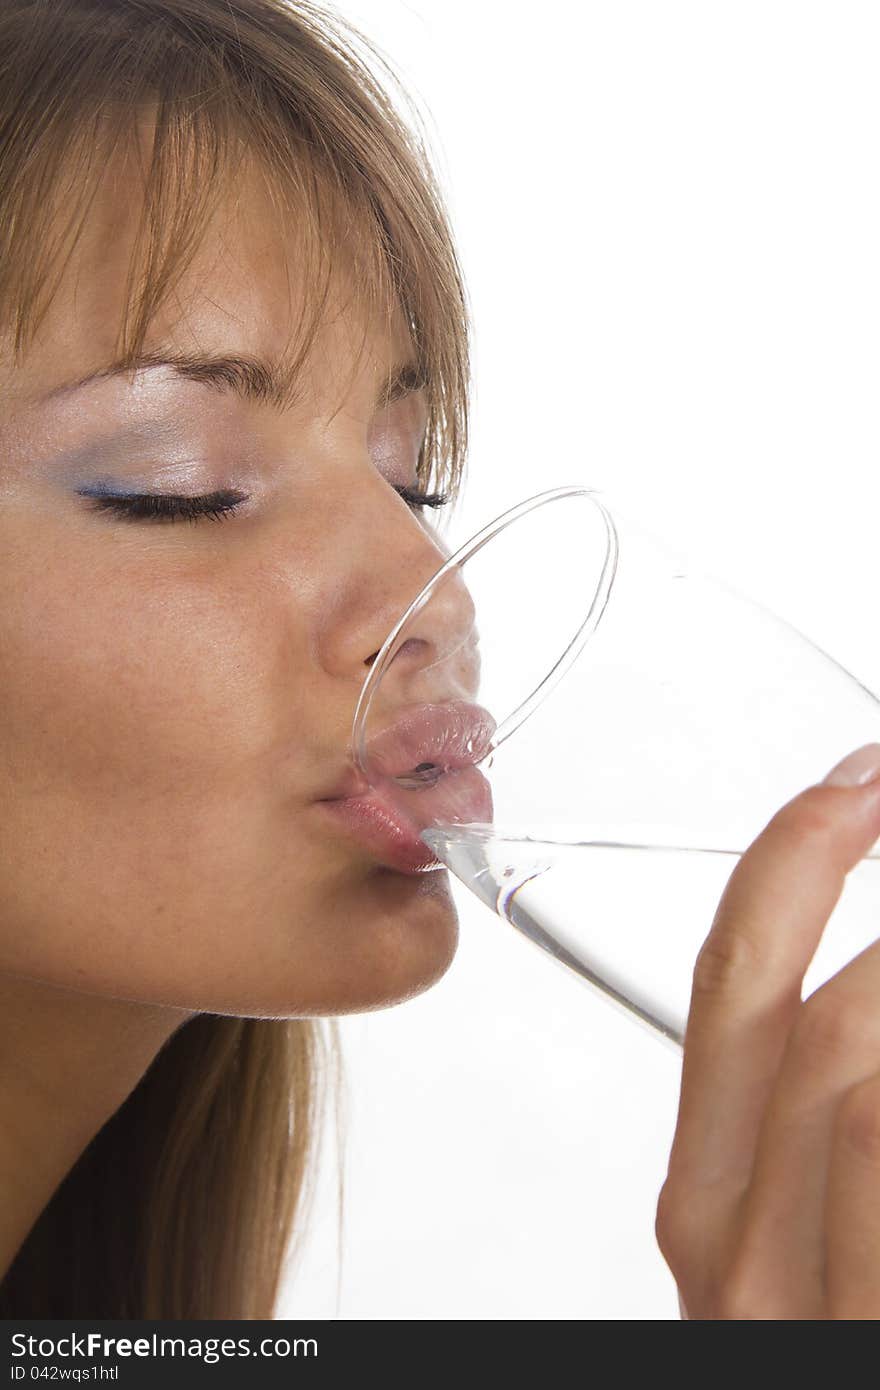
(215, 506)
(418, 500)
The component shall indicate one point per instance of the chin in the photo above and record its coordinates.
(370, 946)
(407, 939)
(398, 941)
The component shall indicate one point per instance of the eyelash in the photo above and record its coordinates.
(215, 506)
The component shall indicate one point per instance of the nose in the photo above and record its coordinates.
(436, 656)
(390, 555)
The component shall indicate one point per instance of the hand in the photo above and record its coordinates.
(771, 1205)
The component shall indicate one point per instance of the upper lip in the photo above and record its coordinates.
(453, 735)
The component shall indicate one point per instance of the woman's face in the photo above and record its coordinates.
(174, 696)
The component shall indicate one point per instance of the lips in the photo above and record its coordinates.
(444, 741)
(447, 736)
(389, 829)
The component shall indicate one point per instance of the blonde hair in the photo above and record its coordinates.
(185, 1203)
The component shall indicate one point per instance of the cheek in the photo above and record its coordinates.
(139, 724)
(129, 686)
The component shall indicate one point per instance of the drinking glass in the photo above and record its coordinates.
(587, 731)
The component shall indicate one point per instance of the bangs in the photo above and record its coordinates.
(200, 116)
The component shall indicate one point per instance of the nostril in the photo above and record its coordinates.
(411, 644)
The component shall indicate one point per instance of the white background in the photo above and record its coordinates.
(669, 222)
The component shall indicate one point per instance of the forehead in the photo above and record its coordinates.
(248, 288)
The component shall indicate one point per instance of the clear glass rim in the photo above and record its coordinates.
(470, 547)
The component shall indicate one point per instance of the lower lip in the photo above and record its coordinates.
(376, 826)
(389, 836)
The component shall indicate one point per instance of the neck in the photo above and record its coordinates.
(68, 1061)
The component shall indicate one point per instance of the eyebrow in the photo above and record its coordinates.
(253, 379)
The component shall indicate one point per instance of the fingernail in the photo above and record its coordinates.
(856, 769)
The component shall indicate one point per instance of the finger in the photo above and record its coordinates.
(747, 980)
(746, 994)
(852, 1206)
(832, 1050)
